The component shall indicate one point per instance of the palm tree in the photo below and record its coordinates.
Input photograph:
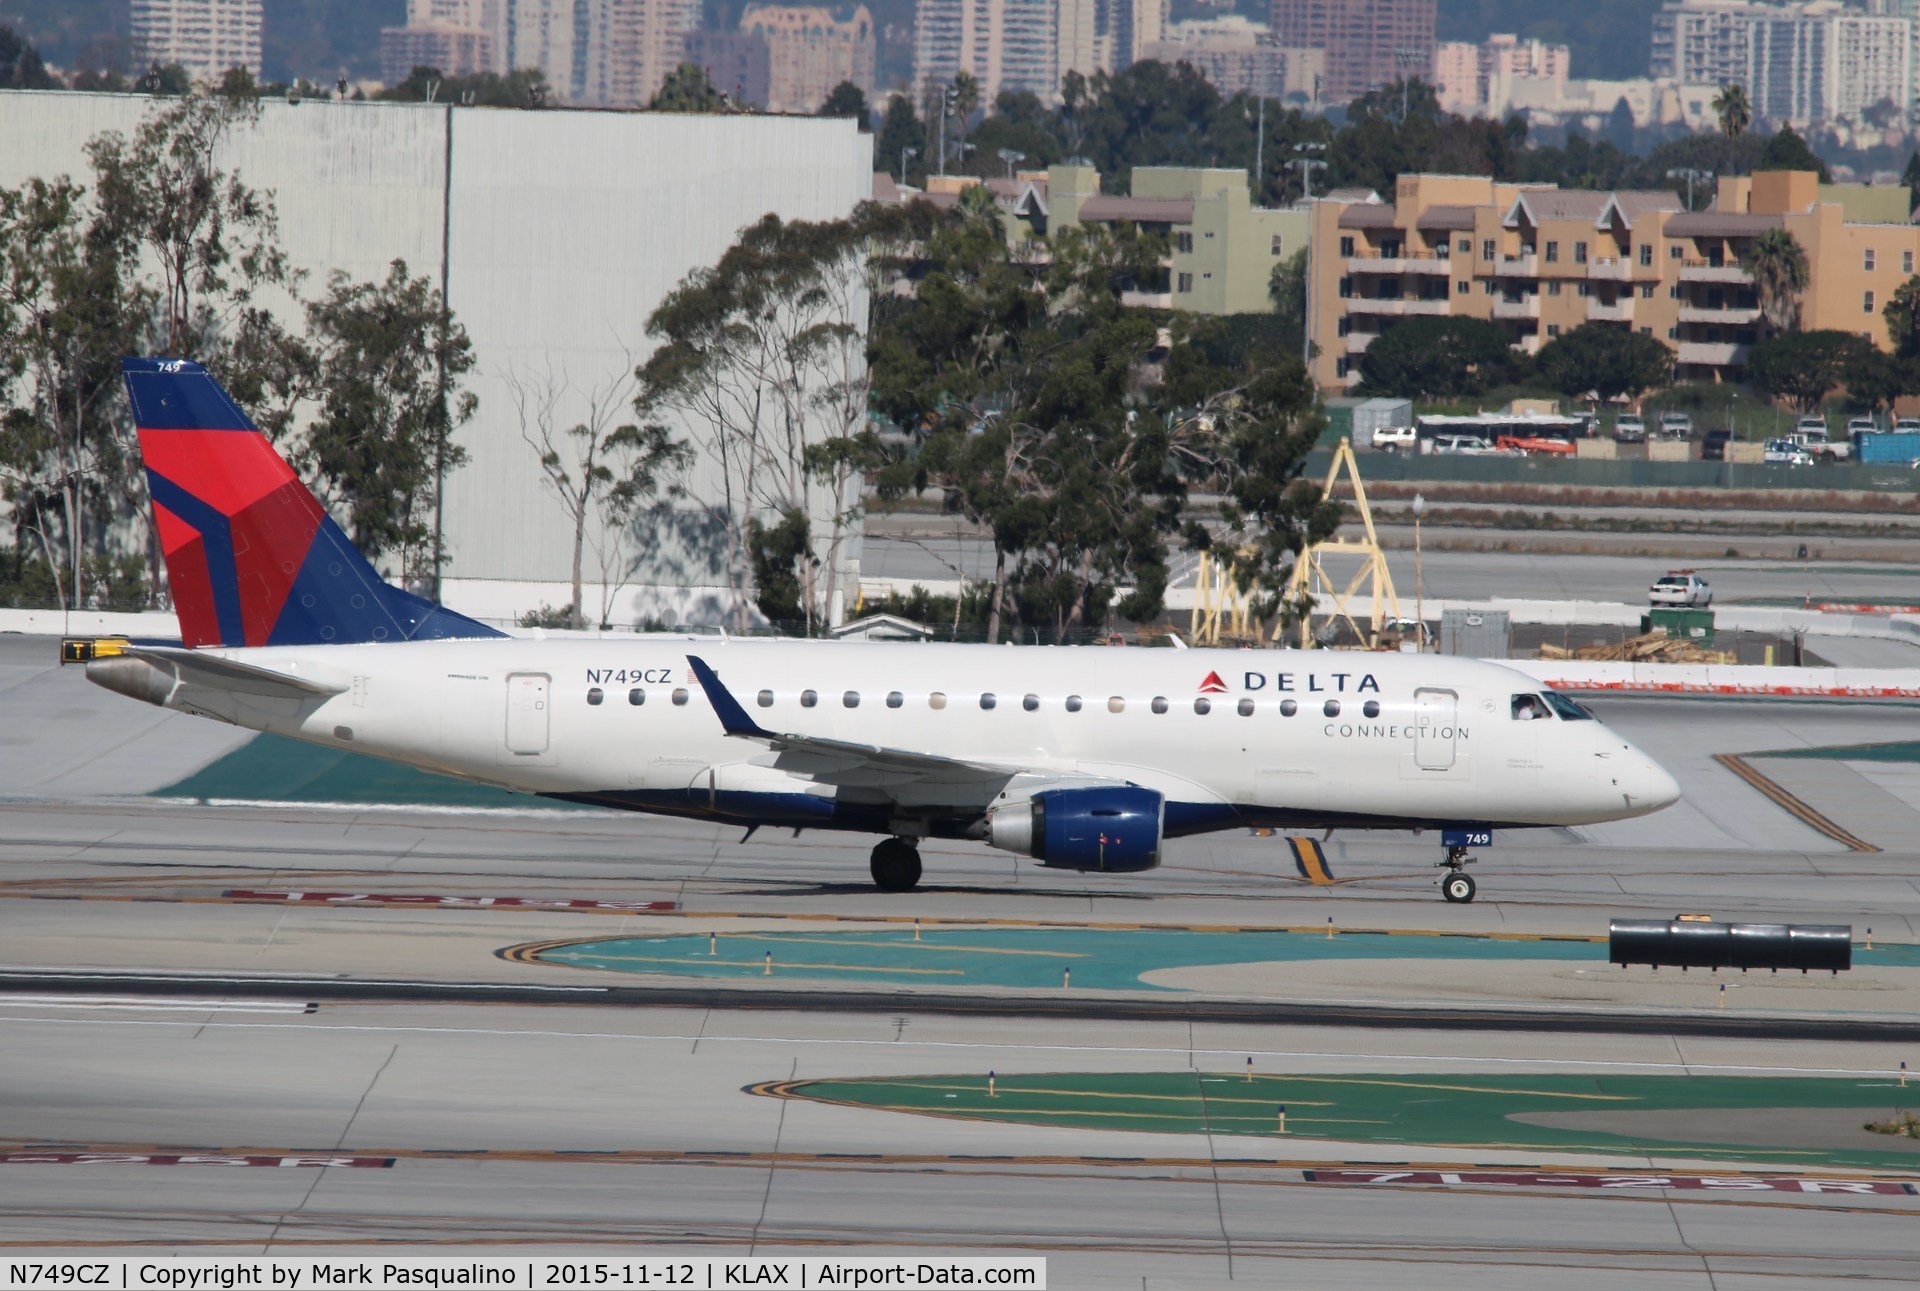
(1779, 269)
(1734, 109)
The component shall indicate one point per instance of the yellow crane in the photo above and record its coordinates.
(1309, 581)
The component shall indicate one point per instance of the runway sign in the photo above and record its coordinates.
(459, 903)
(1695, 1182)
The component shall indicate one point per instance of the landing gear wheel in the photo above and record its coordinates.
(896, 865)
(1457, 888)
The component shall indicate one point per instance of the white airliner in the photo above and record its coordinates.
(1082, 758)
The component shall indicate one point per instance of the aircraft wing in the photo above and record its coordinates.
(197, 666)
(843, 761)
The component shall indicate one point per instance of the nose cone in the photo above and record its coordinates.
(1662, 789)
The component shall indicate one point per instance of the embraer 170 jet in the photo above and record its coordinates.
(1084, 759)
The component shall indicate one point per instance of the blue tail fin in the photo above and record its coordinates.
(252, 556)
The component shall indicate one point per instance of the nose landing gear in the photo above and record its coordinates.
(895, 865)
(1457, 885)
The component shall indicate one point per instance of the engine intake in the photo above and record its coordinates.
(1116, 830)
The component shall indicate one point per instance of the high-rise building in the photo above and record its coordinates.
(1800, 63)
(1369, 43)
(736, 63)
(1004, 44)
(1480, 78)
(455, 36)
(811, 49)
(1238, 57)
(204, 36)
(631, 47)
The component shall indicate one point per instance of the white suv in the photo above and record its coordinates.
(1681, 587)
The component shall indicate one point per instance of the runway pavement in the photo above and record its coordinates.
(564, 1128)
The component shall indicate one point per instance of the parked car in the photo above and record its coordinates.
(1681, 587)
(1714, 447)
(1395, 439)
(1468, 445)
(1676, 425)
(1861, 426)
(1906, 426)
(1629, 428)
(1784, 452)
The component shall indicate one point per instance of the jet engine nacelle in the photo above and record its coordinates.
(1113, 829)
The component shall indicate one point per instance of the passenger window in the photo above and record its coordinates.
(595, 694)
(1030, 703)
(1331, 708)
(1529, 708)
(1288, 708)
(680, 696)
(1159, 703)
(1371, 708)
(636, 697)
(1203, 706)
(766, 699)
(1116, 705)
(1073, 703)
(808, 699)
(988, 700)
(1246, 708)
(936, 700)
(895, 699)
(851, 699)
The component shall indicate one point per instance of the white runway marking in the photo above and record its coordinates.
(1179, 1050)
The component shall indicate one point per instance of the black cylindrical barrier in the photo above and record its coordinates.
(1700, 944)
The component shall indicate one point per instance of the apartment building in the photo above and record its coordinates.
(1004, 44)
(1239, 57)
(204, 36)
(456, 36)
(1541, 261)
(1368, 43)
(1800, 63)
(1481, 78)
(811, 49)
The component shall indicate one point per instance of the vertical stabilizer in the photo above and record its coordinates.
(253, 558)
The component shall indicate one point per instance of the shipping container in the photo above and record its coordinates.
(1888, 446)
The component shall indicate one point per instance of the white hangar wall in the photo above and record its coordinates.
(557, 233)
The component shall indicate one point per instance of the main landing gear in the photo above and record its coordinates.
(1457, 886)
(896, 865)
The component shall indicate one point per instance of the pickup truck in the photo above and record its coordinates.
(1395, 439)
(1810, 434)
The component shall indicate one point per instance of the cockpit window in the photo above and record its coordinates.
(1530, 708)
(1566, 708)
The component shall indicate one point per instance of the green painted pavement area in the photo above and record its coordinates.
(1098, 958)
(1893, 751)
(272, 768)
(1474, 1113)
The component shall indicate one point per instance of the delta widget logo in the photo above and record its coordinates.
(1212, 685)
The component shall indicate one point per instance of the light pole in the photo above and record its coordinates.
(1419, 588)
(1305, 165)
(1408, 58)
(904, 154)
(1010, 156)
(1689, 174)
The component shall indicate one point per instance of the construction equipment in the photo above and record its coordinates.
(1310, 584)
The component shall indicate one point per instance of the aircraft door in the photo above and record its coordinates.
(1435, 721)
(529, 713)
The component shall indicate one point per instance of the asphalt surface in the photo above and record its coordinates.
(515, 1125)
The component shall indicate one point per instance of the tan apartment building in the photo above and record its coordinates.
(1541, 261)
